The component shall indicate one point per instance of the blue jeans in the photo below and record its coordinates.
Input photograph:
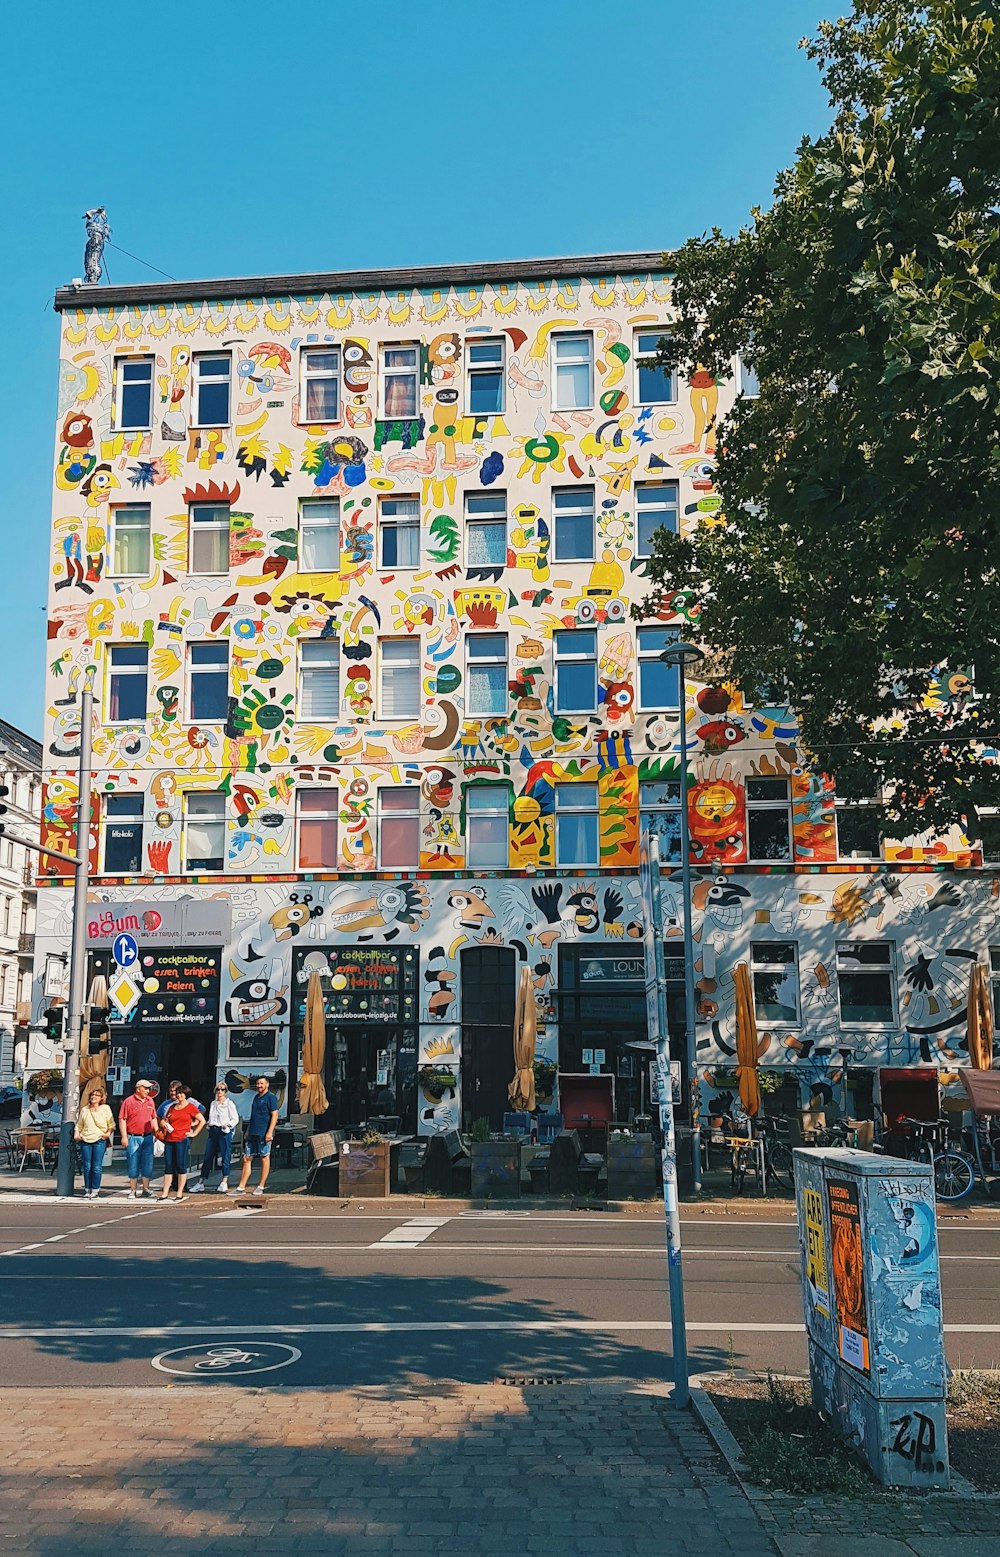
(140, 1156)
(92, 1156)
(175, 1158)
(218, 1147)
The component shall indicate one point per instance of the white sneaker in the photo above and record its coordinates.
(223, 1188)
(197, 1189)
(88, 1194)
(258, 1191)
(133, 1194)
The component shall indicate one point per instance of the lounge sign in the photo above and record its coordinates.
(172, 922)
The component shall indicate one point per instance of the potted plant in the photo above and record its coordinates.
(496, 1163)
(364, 1167)
(631, 1165)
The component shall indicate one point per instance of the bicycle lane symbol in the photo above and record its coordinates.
(226, 1359)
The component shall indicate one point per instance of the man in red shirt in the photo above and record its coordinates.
(137, 1123)
(179, 1128)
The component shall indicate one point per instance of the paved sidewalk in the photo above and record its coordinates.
(464, 1470)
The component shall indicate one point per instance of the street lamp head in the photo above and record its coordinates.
(681, 654)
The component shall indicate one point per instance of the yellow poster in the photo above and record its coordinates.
(816, 1262)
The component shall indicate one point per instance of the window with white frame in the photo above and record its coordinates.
(659, 682)
(400, 380)
(399, 827)
(122, 828)
(8, 904)
(774, 970)
(654, 385)
(128, 676)
(865, 980)
(319, 680)
(208, 682)
(573, 522)
(487, 826)
(575, 667)
(486, 673)
(988, 818)
(859, 830)
(319, 535)
(769, 819)
(572, 371)
(660, 815)
(319, 395)
(130, 543)
(486, 529)
(208, 532)
(484, 366)
(399, 532)
(399, 693)
(316, 816)
(204, 832)
(212, 375)
(133, 393)
(576, 824)
(656, 508)
(747, 381)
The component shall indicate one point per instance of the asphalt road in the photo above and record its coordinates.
(116, 1294)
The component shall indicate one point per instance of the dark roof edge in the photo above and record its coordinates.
(20, 742)
(320, 281)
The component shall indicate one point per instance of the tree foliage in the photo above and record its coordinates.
(858, 561)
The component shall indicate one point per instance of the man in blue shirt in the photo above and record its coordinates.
(264, 1112)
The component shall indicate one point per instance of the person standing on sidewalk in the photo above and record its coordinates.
(137, 1127)
(223, 1117)
(264, 1112)
(95, 1130)
(184, 1121)
(171, 1099)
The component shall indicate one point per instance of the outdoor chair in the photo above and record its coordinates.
(31, 1143)
(549, 1126)
(323, 1173)
(518, 1125)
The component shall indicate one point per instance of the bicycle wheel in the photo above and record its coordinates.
(779, 1163)
(954, 1176)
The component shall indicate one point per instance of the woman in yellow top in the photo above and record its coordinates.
(94, 1129)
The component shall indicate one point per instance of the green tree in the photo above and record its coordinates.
(858, 561)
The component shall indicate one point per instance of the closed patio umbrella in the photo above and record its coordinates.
(746, 1041)
(980, 1019)
(94, 1067)
(312, 1093)
(522, 1089)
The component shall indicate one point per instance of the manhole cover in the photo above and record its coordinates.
(226, 1359)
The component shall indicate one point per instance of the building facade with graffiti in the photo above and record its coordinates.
(352, 559)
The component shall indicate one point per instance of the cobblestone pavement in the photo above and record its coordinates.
(211, 1469)
(911, 1526)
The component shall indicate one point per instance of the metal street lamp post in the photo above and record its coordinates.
(681, 655)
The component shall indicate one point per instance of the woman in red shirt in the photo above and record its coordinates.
(178, 1129)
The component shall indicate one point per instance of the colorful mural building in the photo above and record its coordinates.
(352, 558)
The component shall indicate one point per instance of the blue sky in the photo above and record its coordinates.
(239, 139)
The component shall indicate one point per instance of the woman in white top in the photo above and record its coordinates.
(222, 1121)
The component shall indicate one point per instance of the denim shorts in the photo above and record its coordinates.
(256, 1146)
(176, 1156)
(140, 1156)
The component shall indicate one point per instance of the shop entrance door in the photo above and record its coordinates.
(489, 1000)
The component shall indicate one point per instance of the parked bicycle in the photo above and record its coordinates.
(777, 1149)
(926, 1140)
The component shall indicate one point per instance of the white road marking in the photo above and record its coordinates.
(427, 1326)
(411, 1233)
(70, 1232)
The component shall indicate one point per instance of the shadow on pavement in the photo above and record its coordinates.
(101, 1296)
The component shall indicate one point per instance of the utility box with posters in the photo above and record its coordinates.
(872, 1294)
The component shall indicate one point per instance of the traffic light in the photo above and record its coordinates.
(4, 792)
(97, 1028)
(55, 1023)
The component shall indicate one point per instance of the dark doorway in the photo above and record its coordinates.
(167, 1055)
(489, 998)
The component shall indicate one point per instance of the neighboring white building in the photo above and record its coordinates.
(20, 770)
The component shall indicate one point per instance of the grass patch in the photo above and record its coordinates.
(787, 1445)
(974, 1426)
